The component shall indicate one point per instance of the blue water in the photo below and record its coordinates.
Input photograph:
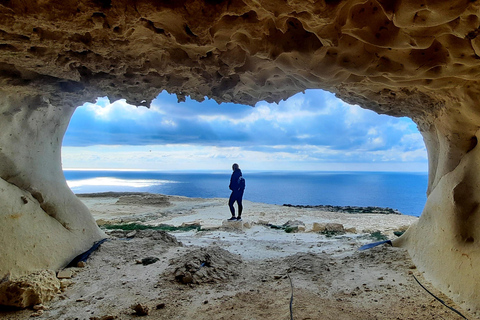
(405, 192)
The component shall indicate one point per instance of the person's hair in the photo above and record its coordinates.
(235, 166)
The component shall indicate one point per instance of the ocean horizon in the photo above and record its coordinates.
(403, 191)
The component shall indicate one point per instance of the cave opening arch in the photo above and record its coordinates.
(403, 58)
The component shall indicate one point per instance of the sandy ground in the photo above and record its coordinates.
(240, 270)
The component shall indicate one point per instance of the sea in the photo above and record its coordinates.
(405, 192)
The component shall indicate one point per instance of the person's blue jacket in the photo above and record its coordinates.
(234, 183)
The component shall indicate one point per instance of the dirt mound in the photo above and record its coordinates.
(307, 263)
(158, 235)
(205, 265)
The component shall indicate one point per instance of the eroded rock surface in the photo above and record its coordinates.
(404, 58)
(30, 290)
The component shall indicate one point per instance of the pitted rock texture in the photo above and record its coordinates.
(412, 58)
(242, 51)
(36, 288)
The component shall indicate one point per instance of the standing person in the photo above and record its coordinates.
(237, 185)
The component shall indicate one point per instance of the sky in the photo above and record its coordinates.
(311, 131)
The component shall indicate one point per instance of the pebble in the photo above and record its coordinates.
(107, 317)
(65, 274)
(38, 307)
(149, 260)
(37, 314)
(140, 309)
(131, 234)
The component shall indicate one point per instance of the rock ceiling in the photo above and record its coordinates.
(368, 52)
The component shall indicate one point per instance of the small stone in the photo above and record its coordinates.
(317, 227)
(140, 309)
(65, 274)
(37, 314)
(334, 227)
(161, 305)
(229, 224)
(101, 222)
(149, 260)
(131, 234)
(39, 307)
(380, 278)
(187, 278)
(81, 264)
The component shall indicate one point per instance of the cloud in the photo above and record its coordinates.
(194, 157)
(314, 126)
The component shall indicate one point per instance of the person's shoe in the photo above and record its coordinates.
(232, 219)
(239, 218)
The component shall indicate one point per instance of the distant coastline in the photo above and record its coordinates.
(326, 208)
(348, 209)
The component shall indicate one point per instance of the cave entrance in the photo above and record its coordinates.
(310, 149)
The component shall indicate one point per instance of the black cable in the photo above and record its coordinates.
(84, 256)
(291, 297)
(440, 300)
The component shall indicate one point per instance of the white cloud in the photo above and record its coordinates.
(107, 111)
(306, 131)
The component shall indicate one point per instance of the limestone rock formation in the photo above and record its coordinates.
(33, 289)
(415, 58)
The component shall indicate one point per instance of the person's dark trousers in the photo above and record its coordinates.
(236, 196)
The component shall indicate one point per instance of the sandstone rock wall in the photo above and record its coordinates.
(242, 51)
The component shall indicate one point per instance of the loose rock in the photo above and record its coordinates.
(140, 309)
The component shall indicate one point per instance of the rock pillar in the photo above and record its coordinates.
(444, 242)
(42, 223)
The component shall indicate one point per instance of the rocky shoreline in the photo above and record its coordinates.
(347, 209)
(326, 208)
